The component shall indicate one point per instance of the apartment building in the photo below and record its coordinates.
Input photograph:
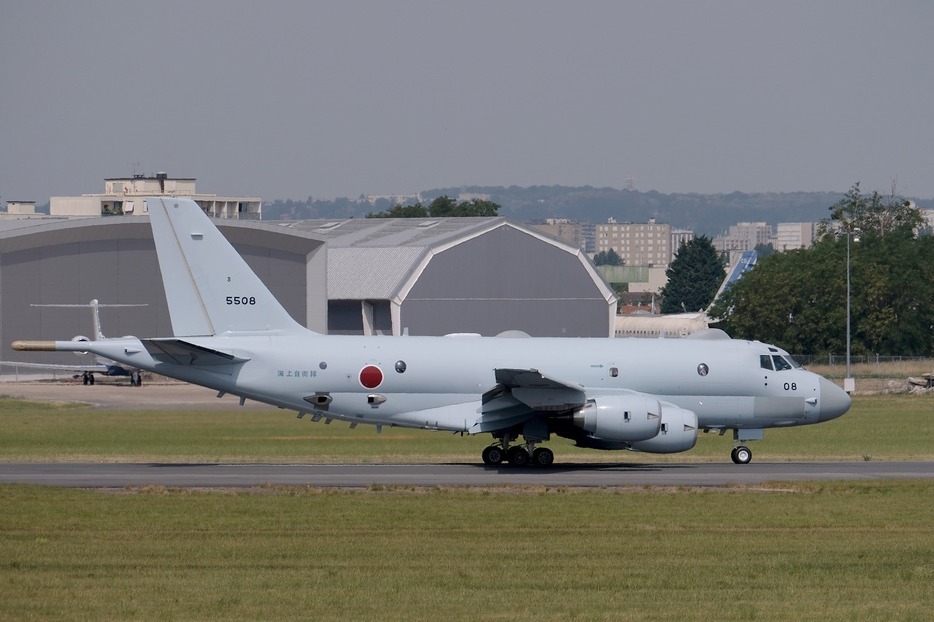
(638, 244)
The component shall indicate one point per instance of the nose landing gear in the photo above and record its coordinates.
(741, 455)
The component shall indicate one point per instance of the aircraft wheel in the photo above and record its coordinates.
(543, 456)
(741, 455)
(518, 456)
(492, 455)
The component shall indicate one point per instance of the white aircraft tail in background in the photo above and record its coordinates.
(102, 365)
(232, 335)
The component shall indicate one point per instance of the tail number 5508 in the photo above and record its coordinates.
(241, 300)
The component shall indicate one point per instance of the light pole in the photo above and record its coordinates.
(849, 383)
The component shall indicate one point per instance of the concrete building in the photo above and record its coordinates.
(743, 236)
(565, 230)
(638, 244)
(792, 235)
(20, 209)
(124, 196)
(459, 275)
(679, 237)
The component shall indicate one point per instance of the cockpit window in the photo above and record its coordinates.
(793, 362)
(780, 363)
(765, 361)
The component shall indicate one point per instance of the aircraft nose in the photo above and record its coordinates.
(834, 401)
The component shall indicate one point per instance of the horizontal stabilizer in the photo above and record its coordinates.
(185, 353)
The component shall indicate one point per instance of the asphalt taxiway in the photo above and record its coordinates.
(123, 475)
(185, 396)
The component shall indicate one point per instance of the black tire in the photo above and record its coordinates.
(543, 456)
(518, 456)
(742, 455)
(492, 455)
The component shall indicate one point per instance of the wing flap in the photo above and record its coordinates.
(521, 394)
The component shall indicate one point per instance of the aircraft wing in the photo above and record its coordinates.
(53, 367)
(521, 394)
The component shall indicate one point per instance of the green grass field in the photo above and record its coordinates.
(838, 551)
(783, 551)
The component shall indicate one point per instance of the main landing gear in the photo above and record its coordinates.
(741, 455)
(518, 455)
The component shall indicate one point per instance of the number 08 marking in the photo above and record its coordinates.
(791, 387)
(241, 300)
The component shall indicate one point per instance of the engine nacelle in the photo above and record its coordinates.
(621, 418)
(678, 432)
(80, 339)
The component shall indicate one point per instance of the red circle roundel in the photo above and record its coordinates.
(371, 376)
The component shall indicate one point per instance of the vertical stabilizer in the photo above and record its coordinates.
(209, 288)
(96, 320)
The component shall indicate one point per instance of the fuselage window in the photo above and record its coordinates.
(614, 372)
(765, 361)
(780, 363)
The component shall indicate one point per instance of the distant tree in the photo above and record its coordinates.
(401, 211)
(872, 214)
(764, 250)
(607, 258)
(797, 299)
(473, 208)
(441, 207)
(694, 277)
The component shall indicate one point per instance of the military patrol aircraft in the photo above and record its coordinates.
(232, 335)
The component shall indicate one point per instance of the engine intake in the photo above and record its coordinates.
(678, 432)
(621, 418)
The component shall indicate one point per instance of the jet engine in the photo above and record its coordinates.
(621, 418)
(80, 339)
(678, 432)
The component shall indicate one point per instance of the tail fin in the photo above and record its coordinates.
(209, 288)
(96, 320)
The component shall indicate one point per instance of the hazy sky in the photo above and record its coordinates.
(290, 99)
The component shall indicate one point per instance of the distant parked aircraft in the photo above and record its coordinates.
(102, 366)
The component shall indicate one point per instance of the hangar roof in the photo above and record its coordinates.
(25, 233)
(377, 258)
(384, 232)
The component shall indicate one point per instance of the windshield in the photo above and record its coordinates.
(778, 362)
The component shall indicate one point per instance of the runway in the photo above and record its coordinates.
(123, 475)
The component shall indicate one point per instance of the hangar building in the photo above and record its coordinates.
(421, 276)
(436, 276)
(49, 261)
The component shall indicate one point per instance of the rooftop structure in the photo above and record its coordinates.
(125, 196)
